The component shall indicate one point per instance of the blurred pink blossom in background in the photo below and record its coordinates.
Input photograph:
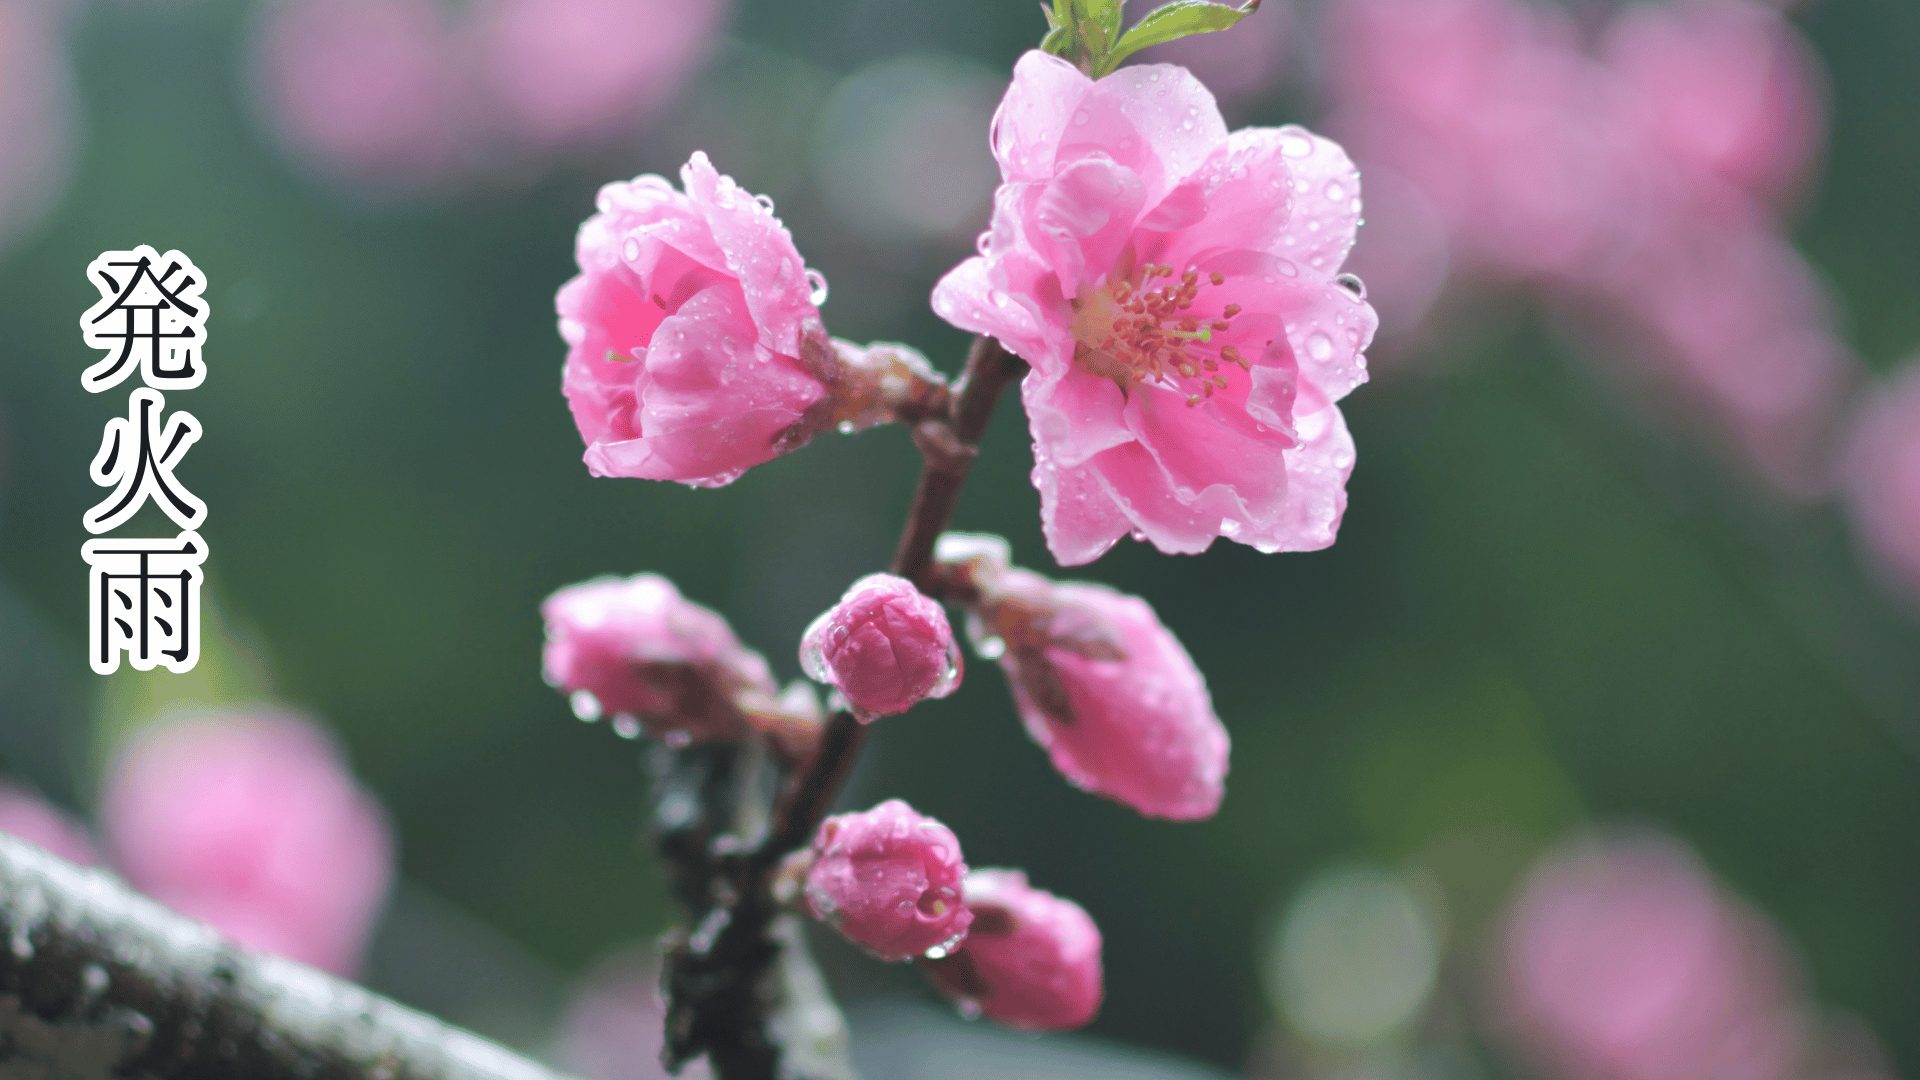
(1882, 480)
(253, 824)
(1623, 960)
(1631, 175)
(613, 1029)
(38, 119)
(415, 94)
(363, 91)
(559, 73)
(28, 817)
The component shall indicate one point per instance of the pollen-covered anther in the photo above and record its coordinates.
(1133, 330)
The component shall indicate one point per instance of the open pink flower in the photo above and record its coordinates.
(694, 348)
(885, 645)
(28, 817)
(1032, 959)
(1173, 287)
(889, 879)
(1108, 691)
(253, 824)
(635, 647)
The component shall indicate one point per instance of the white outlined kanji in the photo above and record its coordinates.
(143, 602)
(151, 316)
(137, 457)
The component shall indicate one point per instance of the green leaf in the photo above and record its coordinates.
(1182, 18)
(1083, 31)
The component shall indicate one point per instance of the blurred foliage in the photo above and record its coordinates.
(1542, 607)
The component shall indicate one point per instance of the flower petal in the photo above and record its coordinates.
(1083, 218)
(1174, 114)
(1077, 513)
(759, 251)
(1033, 117)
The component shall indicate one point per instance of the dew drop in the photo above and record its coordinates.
(765, 201)
(630, 250)
(1353, 284)
(1335, 192)
(1319, 345)
(984, 242)
(845, 427)
(816, 286)
(626, 726)
(1296, 144)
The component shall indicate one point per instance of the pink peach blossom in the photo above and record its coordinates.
(1882, 481)
(695, 350)
(1032, 960)
(885, 645)
(1108, 691)
(367, 91)
(1622, 960)
(1173, 288)
(889, 879)
(567, 72)
(253, 824)
(635, 647)
(28, 817)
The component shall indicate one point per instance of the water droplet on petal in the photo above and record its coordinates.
(1353, 284)
(626, 726)
(816, 286)
(1319, 345)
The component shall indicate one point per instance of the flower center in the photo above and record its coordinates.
(1142, 329)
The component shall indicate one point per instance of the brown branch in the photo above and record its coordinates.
(726, 980)
(97, 982)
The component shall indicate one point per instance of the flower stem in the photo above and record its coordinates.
(719, 981)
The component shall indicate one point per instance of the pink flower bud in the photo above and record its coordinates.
(889, 879)
(28, 817)
(254, 825)
(885, 646)
(694, 344)
(1032, 959)
(1108, 691)
(636, 650)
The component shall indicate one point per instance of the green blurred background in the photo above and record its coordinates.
(1543, 608)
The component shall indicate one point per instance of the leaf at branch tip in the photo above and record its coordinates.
(1182, 18)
